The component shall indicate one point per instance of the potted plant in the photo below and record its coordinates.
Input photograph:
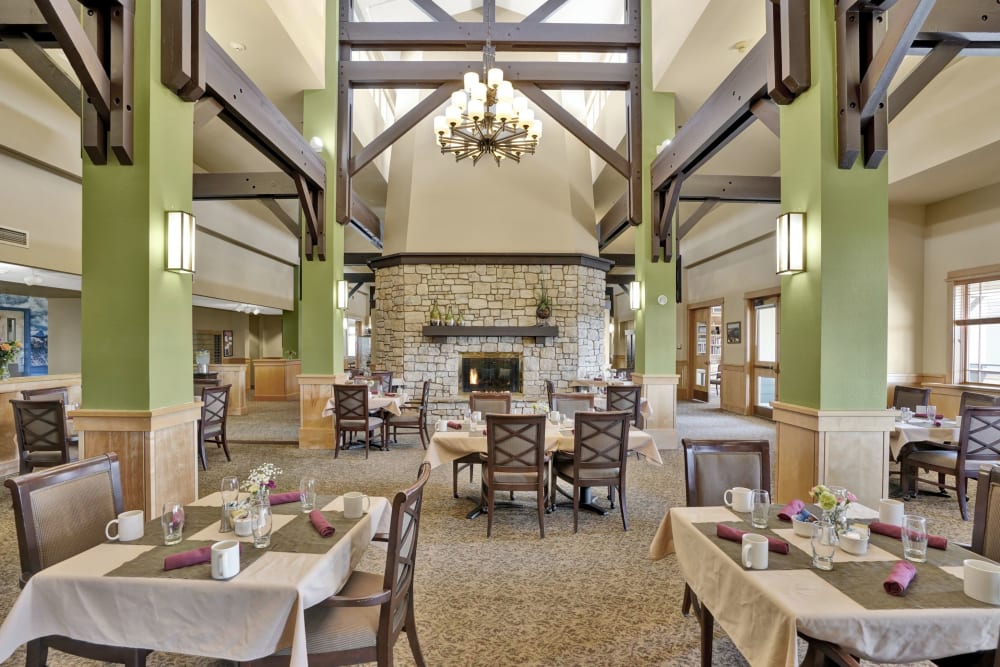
(543, 308)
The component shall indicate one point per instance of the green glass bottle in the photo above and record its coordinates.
(449, 318)
(458, 319)
(435, 314)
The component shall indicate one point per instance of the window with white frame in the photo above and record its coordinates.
(976, 331)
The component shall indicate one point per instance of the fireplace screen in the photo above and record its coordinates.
(485, 371)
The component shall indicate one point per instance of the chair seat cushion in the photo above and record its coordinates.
(359, 424)
(331, 628)
(515, 477)
(213, 430)
(565, 469)
(405, 420)
(50, 458)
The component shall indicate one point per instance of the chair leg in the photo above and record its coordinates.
(960, 485)
(621, 502)
(201, 453)
(411, 634)
(707, 631)
(576, 506)
(686, 603)
(489, 511)
(941, 482)
(368, 442)
(541, 510)
(36, 654)
(454, 479)
(337, 437)
(224, 443)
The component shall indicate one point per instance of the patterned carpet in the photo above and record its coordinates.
(591, 598)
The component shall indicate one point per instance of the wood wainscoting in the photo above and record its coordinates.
(734, 389)
(683, 390)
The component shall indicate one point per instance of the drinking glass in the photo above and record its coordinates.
(260, 522)
(906, 415)
(172, 521)
(914, 538)
(307, 493)
(230, 493)
(824, 545)
(555, 418)
(761, 506)
(477, 417)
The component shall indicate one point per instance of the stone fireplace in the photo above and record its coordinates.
(496, 295)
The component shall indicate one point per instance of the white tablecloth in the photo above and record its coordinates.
(446, 446)
(919, 430)
(762, 611)
(392, 404)
(247, 617)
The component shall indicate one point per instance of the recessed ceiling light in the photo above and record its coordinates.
(238, 46)
(741, 46)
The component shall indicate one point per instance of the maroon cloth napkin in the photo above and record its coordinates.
(902, 574)
(791, 509)
(455, 425)
(896, 532)
(286, 497)
(390, 394)
(736, 535)
(188, 558)
(320, 523)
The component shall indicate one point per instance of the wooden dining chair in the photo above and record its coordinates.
(711, 467)
(362, 622)
(550, 390)
(515, 461)
(971, 399)
(384, 378)
(212, 425)
(986, 521)
(487, 402)
(58, 513)
(978, 443)
(628, 398)
(570, 404)
(413, 417)
(53, 394)
(352, 416)
(600, 445)
(40, 431)
(909, 397)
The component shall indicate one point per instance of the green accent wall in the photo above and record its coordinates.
(136, 316)
(290, 321)
(655, 325)
(834, 316)
(321, 336)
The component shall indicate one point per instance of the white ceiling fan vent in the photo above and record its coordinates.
(14, 237)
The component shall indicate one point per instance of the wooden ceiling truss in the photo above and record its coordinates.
(531, 78)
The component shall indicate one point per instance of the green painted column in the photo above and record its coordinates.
(136, 316)
(290, 322)
(321, 336)
(655, 325)
(834, 315)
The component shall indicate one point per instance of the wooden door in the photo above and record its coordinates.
(700, 319)
(764, 318)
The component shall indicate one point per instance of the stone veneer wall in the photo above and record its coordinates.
(488, 295)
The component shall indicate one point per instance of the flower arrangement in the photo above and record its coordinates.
(261, 479)
(543, 307)
(540, 408)
(9, 351)
(833, 500)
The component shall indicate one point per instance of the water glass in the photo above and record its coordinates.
(914, 538)
(260, 523)
(477, 418)
(307, 493)
(230, 493)
(906, 415)
(760, 508)
(824, 545)
(555, 418)
(172, 521)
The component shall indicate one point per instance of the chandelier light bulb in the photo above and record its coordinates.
(504, 111)
(494, 77)
(453, 115)
(458, 99)
(440, 125)
(476, 109)
(520, 104)
(505, 92)
(525, 118)
(470, 80)
(536, 129)
(478, 93)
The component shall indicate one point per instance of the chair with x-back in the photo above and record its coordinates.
(212, 425)
(60, 512)
(570, 404)
(352, 416)
(909, 397)
(486, 402)
(626, 397)
(40, 430)
(515, 461)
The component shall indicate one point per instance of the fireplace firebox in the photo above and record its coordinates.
(490, 371)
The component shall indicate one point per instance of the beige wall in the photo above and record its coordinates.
(268, 334)
(906, 289)
(215, 320)
(64, 336)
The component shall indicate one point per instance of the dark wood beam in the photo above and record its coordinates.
(907, 17)
(94, 125)
(614, 222)
(363, 278)
(248, 111)
(345, 138)
(365, 221)
(375, 35)
(205, 110)
(796, 70)
(620, 259)
(433, 11)
(622, 280)
(359, 258)
(403, 124)
(46, 69)
(696, 217)
(663, 232)
(969, 20)
(203, 229)
(633, 139)
(63, 21)
(309, 209)
(290, 223)
(248, 185)
(354, 288)
(576, 128)
(717, 121)
(546, 10)
(848, 35)
(766, 111)
(431, 74)
(930, 66)
(744, 189)
(121, 27)
(875, 130)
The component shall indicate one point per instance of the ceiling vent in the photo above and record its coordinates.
(14, 237)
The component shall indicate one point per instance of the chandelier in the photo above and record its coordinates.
(487, 119)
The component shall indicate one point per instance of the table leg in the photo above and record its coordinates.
(586, 502)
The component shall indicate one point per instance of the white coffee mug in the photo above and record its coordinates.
(225, 559)
(130, 526)
(355, 504)
(442, 425)
(891, 511)
(754, 551)
(739, 498)
(982, 580)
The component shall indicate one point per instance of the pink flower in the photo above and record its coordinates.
(851, 498)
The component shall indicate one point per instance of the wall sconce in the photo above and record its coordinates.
(342, 294)
(316, 144)
(180, 241)
(634, 294)
(791, 243)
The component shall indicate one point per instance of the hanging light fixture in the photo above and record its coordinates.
(487, 119)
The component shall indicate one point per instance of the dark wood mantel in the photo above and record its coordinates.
(481, 331)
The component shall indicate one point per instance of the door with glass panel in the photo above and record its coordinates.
(699, 353)
(764, 355)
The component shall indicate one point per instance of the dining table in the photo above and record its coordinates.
(118, 593)
(764, 611)
(392, 403)
(942, 431)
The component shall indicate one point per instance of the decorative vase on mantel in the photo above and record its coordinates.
(449, 318)
(543, 308)
(435, 315)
